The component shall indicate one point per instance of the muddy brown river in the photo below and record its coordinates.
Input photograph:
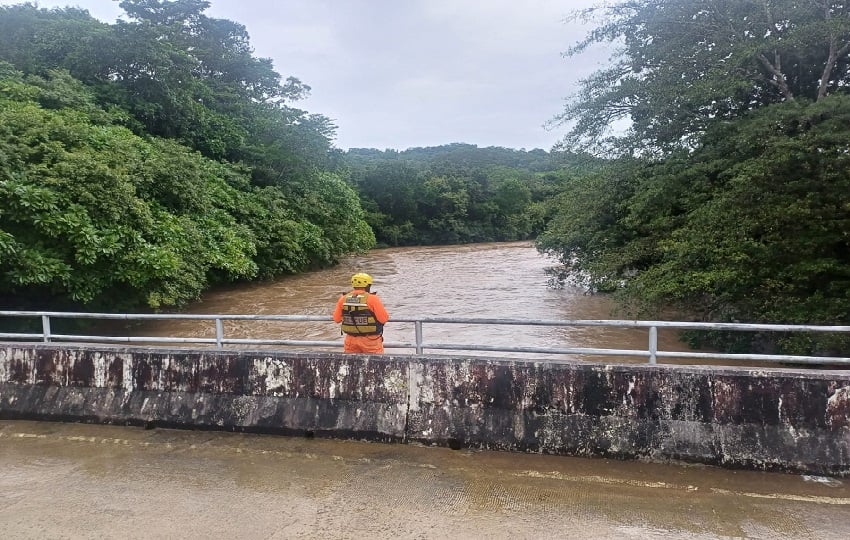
(496, 280)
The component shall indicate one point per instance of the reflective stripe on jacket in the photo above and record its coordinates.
(358, 314)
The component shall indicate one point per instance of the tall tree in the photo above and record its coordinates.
(93, 214)
(731, 201)
(680, 65)
(239, 182)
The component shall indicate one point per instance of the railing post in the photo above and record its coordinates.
(219, 333)
(418, 327)
(653, 343)
(45, 328)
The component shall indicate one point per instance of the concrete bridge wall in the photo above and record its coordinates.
(771, 419)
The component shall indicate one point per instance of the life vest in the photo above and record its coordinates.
(357, 318)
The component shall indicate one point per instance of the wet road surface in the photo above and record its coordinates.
(85, 481)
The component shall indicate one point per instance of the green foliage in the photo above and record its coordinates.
(787, 261)
(680, 65)
(732, 201)
(451, 194)
(78, 224)
(145, 161)
(180, 75)
(581, 233)
(751, 226)
(93, 214)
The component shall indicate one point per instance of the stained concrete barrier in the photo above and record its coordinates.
(768, 419)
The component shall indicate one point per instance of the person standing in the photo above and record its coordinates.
(363, 317)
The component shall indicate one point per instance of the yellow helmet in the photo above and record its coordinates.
(361, 280)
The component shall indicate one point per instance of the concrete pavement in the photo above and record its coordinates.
(87, 481)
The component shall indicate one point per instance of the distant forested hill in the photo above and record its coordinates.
(459, 193)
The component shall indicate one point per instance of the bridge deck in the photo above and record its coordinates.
(74, 481)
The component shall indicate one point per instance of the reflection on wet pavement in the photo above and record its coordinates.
(85, 481)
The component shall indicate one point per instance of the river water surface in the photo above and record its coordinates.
(495, 280)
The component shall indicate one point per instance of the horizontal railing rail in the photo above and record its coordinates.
(651, 353)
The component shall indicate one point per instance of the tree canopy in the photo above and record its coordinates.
(680, 65)
(147, 160)
(455, 193)
(730, 200)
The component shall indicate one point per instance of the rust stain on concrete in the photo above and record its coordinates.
(838, 409)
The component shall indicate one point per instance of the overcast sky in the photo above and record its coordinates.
(405, 73)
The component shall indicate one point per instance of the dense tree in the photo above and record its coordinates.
(682, 64)
(789, 260)
(731, 201)
(35, 40)
(93, 214)
(456, 193)
(181, 75)
(169, 117)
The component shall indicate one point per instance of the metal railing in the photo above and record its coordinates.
(651, 353)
